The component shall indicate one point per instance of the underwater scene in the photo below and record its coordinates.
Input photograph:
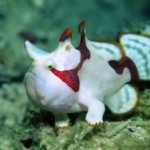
(99, 48)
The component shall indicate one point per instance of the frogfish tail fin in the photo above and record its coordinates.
(137, 48)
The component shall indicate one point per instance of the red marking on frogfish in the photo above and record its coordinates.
(128, 63)
(66, 34)
(85, 53)
(70, 77)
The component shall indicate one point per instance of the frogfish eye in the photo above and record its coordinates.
(50, 66)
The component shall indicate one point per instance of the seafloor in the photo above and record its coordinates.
(25, 127)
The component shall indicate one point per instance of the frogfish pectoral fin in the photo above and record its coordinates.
(125, 101)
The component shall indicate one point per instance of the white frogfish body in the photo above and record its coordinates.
(88, 77)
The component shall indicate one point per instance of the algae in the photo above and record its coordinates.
(25, 127)
(13, 103)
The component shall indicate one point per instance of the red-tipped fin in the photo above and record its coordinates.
(66, 34)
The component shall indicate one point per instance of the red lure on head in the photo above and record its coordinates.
(66, 34)
(70, 77)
